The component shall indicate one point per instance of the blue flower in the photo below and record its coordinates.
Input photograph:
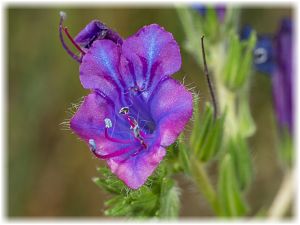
(263, 57)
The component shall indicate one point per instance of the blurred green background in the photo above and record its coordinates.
(49, 169)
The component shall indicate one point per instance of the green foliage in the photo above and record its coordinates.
(196, 25)
(158, 197)
(230, 62)
(183, 155)
(231, 202)
(245, 121)
(286, 148)
(210, 24)
(192, 25)
(241, 160)
(196, 122)
(169, 199)
(207, 142)
(231, 21)
(239, 61)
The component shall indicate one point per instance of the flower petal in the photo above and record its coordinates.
(95, 30)
(136, 169)
(100, 69)
(153, 53)
(88, 121)
(171, 108)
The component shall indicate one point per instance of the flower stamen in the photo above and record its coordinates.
(61, 30)
(108, 124)
(92, 145)
(65, 29)
(138, 133)
(114, 154)
(138, 88)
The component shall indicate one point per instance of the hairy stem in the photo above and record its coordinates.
(202, 180)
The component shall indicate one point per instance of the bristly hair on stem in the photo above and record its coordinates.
(211, 90)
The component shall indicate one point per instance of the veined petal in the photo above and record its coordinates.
(171, 108)
(88, 123)
(100, 69)
(136, 169)
(153, 53)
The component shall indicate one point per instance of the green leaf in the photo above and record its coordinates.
(239, 61)
(245, 121)
(231, 202)
(246, 62)
(232, 61)
(192, 25)
(194, 137)
(210, 135)
(144, 202)
(183, 155)
(204, 124)
(231, 21)
(213, 141)
(109, 181)
(169, 199)
(242, 162)
(211, 25)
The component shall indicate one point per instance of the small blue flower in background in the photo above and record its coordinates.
(263, 51)
(273, 56)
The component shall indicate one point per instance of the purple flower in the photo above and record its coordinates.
(135, 109)
(282, 79)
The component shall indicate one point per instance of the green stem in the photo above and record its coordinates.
(284, 197)
(202, 180)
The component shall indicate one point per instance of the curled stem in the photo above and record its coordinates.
(211, 90)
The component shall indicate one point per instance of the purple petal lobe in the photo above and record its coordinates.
(100, 69)
(171, 108)
(88, 123)
(153, 52)
(88, 120)
(137, 168)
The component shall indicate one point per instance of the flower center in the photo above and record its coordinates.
(139, 109)
(260, 55)
(137, 132)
